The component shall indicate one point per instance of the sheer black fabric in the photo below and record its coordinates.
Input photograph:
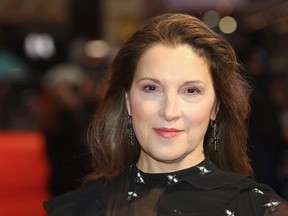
(197, 191)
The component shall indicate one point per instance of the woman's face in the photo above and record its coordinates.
(171, 101)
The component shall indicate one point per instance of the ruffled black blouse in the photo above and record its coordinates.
(197, 191)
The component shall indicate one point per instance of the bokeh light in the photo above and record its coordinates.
(39, 46)
(228, 24)
(211, 18)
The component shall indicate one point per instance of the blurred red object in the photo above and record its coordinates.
(24, 172)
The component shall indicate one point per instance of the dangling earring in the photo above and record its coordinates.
(130, 132)
(215, 139)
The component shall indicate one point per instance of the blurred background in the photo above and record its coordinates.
(54, 56)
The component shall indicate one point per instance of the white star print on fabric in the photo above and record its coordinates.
(203, 170)
(172, 179)
(131, 195)
(176, 211)
(139, 178)
(229, 213)
(256, 190)
(272, 205)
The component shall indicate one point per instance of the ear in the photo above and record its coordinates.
(127, 101)
(215, 110)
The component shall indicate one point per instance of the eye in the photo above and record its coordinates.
(149, 88)
(192, 90)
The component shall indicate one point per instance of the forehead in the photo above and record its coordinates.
(178, 60)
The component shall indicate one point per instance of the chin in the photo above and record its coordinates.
(169, 158)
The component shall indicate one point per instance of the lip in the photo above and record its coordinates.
(167, 132)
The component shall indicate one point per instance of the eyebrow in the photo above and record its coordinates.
(158, 82)
(149, 79)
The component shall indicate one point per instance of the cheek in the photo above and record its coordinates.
(142, 110)
(198, 115)
(143, 116)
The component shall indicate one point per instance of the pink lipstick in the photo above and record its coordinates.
(167, 132)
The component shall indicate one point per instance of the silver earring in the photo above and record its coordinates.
(130, 132)
(215, 139)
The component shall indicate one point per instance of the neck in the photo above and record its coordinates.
(151, 165)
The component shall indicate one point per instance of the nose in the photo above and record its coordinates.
(170, 107)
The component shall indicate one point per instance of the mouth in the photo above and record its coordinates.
(167, 132)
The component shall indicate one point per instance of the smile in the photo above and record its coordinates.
(167, 132)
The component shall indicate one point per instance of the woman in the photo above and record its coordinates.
(170, 137)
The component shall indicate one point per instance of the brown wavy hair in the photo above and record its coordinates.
(107, 135)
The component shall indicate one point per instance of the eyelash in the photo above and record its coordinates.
(151, 88)
(195, 90)
(147, 88)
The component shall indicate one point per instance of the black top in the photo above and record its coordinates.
(198, 191)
